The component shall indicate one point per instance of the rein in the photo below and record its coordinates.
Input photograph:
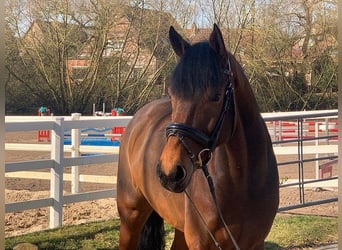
(212, 191)
(182, 131)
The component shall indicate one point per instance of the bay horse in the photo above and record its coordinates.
(200, 159)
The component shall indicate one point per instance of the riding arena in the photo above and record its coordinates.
(75, 160)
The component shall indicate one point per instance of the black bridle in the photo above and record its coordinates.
(208, 142)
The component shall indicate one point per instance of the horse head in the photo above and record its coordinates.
(201, 92)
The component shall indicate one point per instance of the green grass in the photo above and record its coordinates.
(301, 231)
(287, 232)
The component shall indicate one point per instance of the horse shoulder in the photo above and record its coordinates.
(145, 134)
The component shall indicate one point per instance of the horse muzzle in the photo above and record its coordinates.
(176, 181)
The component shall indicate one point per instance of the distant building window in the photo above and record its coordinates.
(137, 71)
(85, 54)
(113, 46)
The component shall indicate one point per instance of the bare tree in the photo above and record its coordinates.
(279, 42)
(122, 67)
(288, 49)
(46, 38)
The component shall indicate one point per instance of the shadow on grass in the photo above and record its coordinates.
(99, 235)
(271, 246)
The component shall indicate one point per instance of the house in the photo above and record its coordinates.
(321, 43)
(136, 38)
(42, 34)
(195, 34)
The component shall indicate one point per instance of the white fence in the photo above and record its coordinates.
(58, 161)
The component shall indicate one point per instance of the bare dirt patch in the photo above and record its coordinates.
(38, 219)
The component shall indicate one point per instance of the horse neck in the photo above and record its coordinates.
(246, 107)
(249, 129)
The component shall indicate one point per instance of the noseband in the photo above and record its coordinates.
(208, 142)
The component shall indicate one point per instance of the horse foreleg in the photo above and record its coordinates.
(179, 241)
(133, 211)
(130, 228)
(131, 224)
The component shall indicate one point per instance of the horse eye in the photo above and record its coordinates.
(215, 98)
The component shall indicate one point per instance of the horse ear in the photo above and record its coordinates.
(216, 42)
(179, 45)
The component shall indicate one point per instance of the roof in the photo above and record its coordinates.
(195, 34)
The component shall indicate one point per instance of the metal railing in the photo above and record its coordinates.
(306, 128)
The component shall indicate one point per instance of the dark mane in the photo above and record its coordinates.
(201, 160)
(197, 71)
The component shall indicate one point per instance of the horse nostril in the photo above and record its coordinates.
(180, 173)
(174, 181)
(177, 175)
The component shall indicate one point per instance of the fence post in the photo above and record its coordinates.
(316, 144)
(280, 134)
(275, 130)
(75, 152)
(326, 122)
(56, 184)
